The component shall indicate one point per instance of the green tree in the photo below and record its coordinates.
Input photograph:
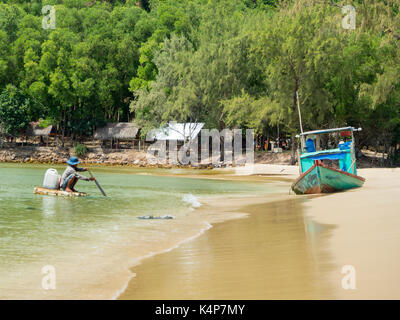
(16, 111)
(194, 78)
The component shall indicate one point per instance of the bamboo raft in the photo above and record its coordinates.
(58, 193)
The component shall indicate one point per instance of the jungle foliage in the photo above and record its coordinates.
(228, 63)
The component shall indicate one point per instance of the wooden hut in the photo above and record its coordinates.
(119, 132)
(35, 130)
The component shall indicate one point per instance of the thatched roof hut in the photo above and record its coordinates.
(35, 130)
(119, 130)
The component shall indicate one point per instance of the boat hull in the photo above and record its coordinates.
(322, 179)
(58, 193)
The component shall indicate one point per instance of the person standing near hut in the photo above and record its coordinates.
(71, 176)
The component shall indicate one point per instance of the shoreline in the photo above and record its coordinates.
(240, 212)
(111, 264)
(119, 157)
(139, 260)
(139, 159)
(208, 220)
(329, 233)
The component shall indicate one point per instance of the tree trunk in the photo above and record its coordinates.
(294, 148)
(294, 144)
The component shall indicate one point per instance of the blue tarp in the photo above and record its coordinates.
(332, 156)
(310, 145)
(345, 145)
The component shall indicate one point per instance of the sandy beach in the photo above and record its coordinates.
(285, 247)
(366, 234)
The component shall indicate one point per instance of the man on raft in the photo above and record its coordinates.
(71, 176)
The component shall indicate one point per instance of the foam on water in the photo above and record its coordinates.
(191, 200)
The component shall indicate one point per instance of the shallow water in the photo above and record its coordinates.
(275, 253)
(84, 238)
(338, 246)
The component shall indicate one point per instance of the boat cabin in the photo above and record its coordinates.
(332, 147)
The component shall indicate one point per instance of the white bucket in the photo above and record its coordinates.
(51, 179)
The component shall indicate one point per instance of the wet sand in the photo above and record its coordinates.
(288, 247)
(367, 234)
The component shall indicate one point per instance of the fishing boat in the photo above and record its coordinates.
(56, 192)
(325, 170)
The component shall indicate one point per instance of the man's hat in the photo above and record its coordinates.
(73, 161)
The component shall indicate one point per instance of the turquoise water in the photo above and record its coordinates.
(35, 228)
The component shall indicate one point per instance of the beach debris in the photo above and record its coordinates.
(221, 164)
(165, 217)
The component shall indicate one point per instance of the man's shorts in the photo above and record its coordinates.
(65, 183)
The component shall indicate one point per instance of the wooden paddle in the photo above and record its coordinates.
(98, 184)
